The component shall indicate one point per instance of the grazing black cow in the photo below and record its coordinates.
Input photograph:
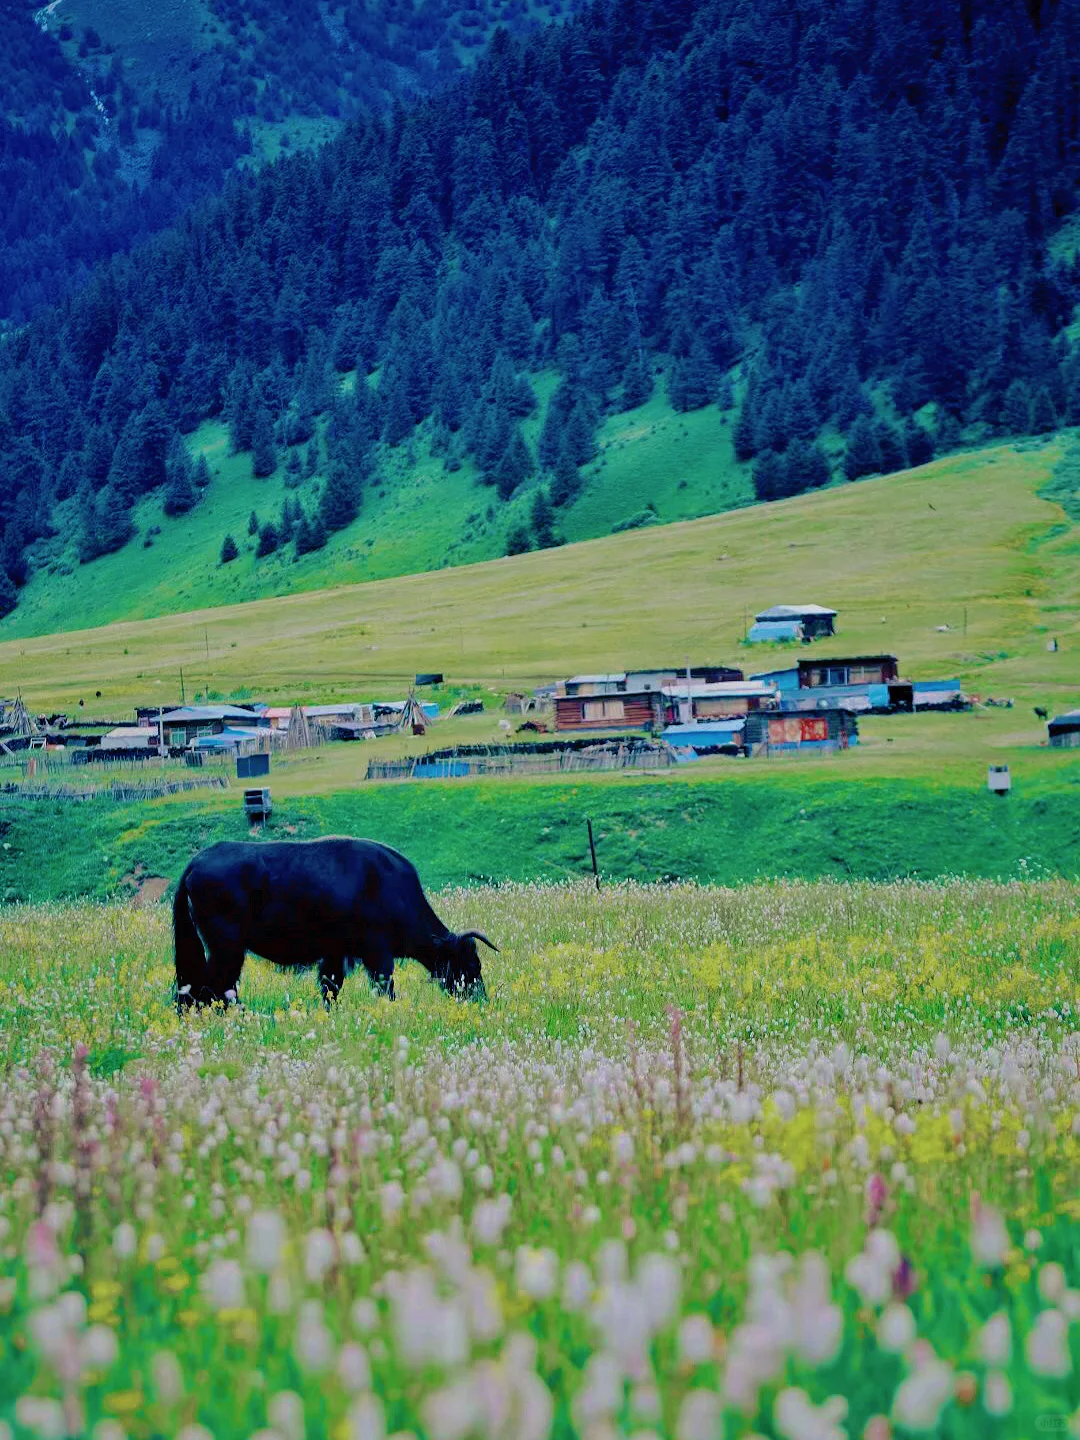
(300, 903)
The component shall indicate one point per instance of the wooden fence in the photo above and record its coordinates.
(454, 765)
(118, 790)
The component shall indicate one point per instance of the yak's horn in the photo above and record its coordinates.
(479, 935)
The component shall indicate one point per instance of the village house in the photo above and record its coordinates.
(766, 731)
(604, 702)
(1064, 730)
(649, 699)
(685, 704)
(793, 622)
(190, 723)
(850, 670)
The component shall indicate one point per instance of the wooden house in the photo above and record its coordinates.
(605, 702)
(685, 704)
(201, 722)
(849, 670)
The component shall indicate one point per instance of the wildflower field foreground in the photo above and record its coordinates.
(799, 1161)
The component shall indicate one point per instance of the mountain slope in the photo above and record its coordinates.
(838, 216)
(116, 116)
(960, 568)
(418, 517)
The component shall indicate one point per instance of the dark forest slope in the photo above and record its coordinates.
(844, 208)
(116, 115)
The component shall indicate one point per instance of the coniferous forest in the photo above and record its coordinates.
(848, 216)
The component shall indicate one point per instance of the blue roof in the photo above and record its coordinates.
(704, 733)
(775, 630)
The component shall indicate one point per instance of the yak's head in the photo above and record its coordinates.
(458, 968)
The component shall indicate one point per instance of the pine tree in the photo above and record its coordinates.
(515, 466)
(253, 523)
(637, 383)
(229, 550)
(263, 449)
(543, 521)
(770, 476)
(340, 501)
(268, 540)
(180, 493)
(693, 380)
(202, 473)
(743, 435)
(566, 478)
(9, 596)
(106, 524)
(1044, 417)
(518, 540)
(1018, 409)
(863, 454)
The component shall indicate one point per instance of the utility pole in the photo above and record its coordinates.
(182, 699)
(161, 734)
(206, 641)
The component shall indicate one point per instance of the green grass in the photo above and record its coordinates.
(683, 1110)
(729, 827)
(415, 517)
(960, 568)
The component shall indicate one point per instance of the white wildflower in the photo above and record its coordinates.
(700, 1416)
(997, 1394)
(285, 1411)
(536, 1272)
(797, 1418)
(1047, 1345)
(696, 1340)
(994, 1340)
(265, 1241)
(167, 1376)
(923, 1395)
(896, 1329)
(320, 1252)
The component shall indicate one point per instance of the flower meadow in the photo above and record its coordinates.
(793, 1161)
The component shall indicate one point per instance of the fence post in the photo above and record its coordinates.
(592, 849)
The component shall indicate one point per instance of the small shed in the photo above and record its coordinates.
(1064, 731)
(816, 620)
(804, 731)
(130, 737)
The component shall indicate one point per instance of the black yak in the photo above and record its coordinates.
(299, 903)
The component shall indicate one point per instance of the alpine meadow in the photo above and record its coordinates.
(623, 455)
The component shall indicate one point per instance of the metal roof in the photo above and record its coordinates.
(792, 612)
(719, 689)
(1070, 717)
(597, 679)
(209, 712)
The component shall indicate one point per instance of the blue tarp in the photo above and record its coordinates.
(709, 735)
(442, 769)
(775, 630)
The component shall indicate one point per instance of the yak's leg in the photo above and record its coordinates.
(224, 971)
(331, 978)
(379, 964)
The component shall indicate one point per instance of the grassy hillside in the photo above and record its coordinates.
(959, 567)
(416, 518)
(702, 827)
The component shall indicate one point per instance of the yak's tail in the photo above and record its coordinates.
(189, 954)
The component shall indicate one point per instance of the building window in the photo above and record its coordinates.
(835, 675)
(177, 738)
(605, 710)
